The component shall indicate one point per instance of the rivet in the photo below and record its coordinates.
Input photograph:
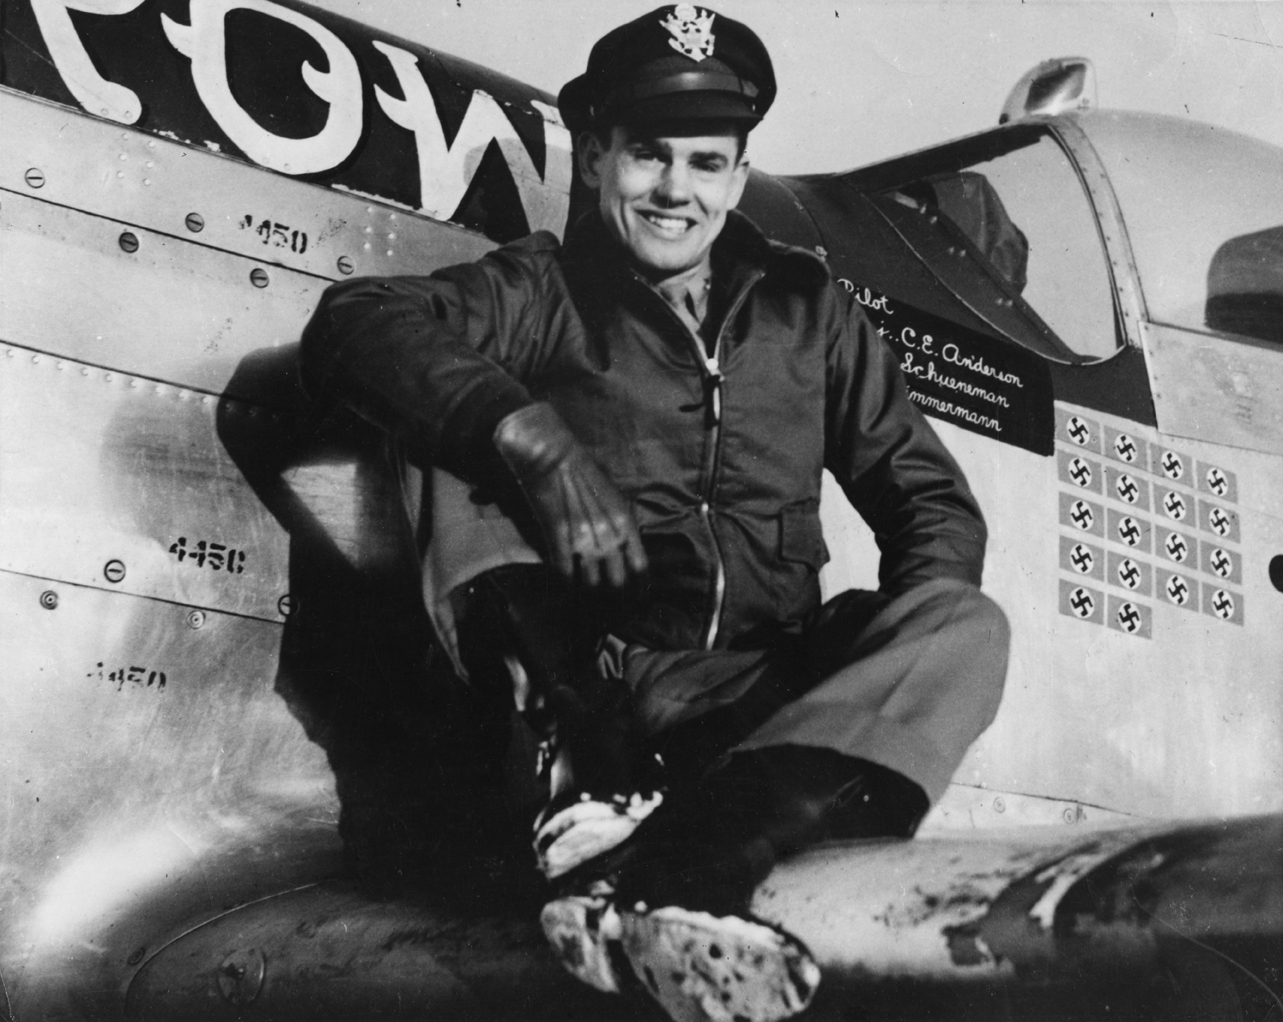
(392, 236)
(146, 180)
(195, 223)
(369, 229)
(345, 265)
(60, 365)
(1070, 815)
(35, 359)
(391, 216)
(114, 570)
(999, 806)
(109, 377)
(133, 384)
(120, 173)
(123, 156)
(151, 163)
(136, 956)
(49, 600)
(286, 605)
(129, 241)
(35, 177)
(84, 370)
(195, 619)
(258, 277)
(389, 252)
(366, 246)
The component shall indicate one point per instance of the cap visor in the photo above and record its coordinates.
(691, 106)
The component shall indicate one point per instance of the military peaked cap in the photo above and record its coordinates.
(676, 63)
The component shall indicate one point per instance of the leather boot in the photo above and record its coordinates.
(711, 844)
(608, 782)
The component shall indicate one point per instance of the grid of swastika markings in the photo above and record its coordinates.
(1143, 525)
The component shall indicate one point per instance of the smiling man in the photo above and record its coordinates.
(641, 418)
(665, 199)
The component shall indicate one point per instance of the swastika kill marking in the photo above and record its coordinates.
(1077, 471)
(1218, 482)
(1079, 430)
(1129, 530)
(1129, 617)
(1177, 589)
(1222, 603)
(1222, 563)
(1082, 559)
(1221, 522)
(1129, 573)
(1169, 463)
(1179, 547)
(1081, 515)
(1174, 505)
(1127, 487)
(1082, 602)
(1127, 448)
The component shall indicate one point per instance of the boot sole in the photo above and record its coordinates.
(702, 968)
(580, 929)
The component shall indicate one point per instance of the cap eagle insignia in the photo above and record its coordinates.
(692, 31)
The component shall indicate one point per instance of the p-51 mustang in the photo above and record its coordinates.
(217, 660)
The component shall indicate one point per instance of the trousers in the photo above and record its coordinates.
(906, 682)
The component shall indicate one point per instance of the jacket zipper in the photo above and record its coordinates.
(711, 375)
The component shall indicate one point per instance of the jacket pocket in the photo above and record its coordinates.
(802, 537)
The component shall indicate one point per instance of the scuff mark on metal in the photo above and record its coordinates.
(8, 1006)
(413, 936)
(1242, 39)
(1228, 959)
(27, 46)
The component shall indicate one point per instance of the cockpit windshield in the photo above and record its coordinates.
(1204, 212)
(1007, 226)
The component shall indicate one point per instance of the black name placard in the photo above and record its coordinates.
(988, 386)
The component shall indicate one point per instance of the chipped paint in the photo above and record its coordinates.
(1059, 878)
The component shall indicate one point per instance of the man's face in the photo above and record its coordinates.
(664, 194)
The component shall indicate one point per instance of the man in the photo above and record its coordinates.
(652, 406)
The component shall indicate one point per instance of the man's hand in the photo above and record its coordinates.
(585, 520)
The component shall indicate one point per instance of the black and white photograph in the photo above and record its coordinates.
(587, 510)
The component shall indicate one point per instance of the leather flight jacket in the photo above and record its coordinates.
(719, 442)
